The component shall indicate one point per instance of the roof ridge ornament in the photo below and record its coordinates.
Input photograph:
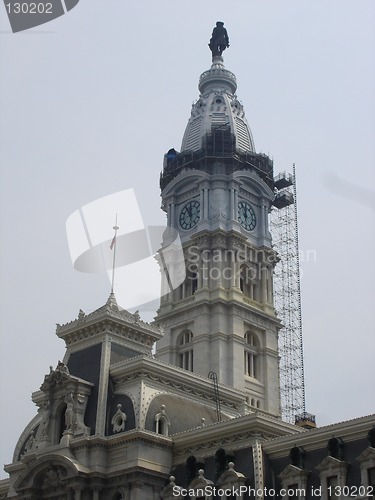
(219, 40)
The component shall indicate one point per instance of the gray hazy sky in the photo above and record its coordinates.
(90, 103)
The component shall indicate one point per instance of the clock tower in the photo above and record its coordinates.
(217, 193)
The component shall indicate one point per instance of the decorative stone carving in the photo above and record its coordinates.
(30, 443)
(55, 377)
(70, 421)
(118, 420)
(53, 476)
(171, 491)
(44, 425)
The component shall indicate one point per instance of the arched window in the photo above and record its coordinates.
(251, 355)
(185, 350)
(162, 422)
(120, 494)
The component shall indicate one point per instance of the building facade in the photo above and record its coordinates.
(200, 418)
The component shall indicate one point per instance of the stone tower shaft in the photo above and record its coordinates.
(217, 193)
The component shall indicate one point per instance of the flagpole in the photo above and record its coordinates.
(114, 243)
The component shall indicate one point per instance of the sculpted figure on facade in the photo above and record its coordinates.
(69, 413)
(56, 376)
(45, 419)
(219, 40)
(30, 443)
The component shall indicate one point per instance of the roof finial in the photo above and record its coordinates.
(219, 40)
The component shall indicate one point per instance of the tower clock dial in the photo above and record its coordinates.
(246, 216)
(190, 214)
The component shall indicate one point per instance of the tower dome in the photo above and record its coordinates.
(217, 107)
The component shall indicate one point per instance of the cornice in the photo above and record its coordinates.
(93, 332)
(185, 311)
(122, 439)
(171, 376)
(313, 439)
(237, 433)
(86, 325)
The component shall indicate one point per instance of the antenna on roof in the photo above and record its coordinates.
(113, 247)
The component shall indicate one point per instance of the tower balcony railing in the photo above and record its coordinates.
(218, 145)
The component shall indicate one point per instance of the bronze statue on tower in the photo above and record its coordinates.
(219, 39)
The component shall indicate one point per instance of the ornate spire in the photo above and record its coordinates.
(218, 105)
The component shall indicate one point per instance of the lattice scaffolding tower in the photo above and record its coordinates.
(287, 297)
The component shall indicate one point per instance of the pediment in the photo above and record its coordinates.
(47, 471)
(292, 472)
(367, 455)
(331, 464)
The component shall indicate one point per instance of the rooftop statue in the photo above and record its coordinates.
(219, 40)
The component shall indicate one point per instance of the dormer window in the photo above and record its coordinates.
(162, 422)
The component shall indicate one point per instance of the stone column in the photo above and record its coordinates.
(103, 387)
(231, 203)
(262, 224)
(235, 203)
(169, 215)
(263, 278)
(77, 493)
(205, 206)
(173, 212)
(269, 285)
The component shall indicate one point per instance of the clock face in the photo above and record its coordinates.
(190, 214)
(246, 216)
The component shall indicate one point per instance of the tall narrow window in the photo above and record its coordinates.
(251, 355)
(293, 491)
(190, 285)
(332, 483)
(185, 350)
(371, 479)
(248, 282)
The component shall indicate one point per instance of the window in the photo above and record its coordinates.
(294, 481)
(162, 422)
(332, 482)
(332, 473)
(366, 462)
(190, 285)
(231, 480)
(251, 355)
(247, 282)
(185, 350)
(293, 491)
(371, 477)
